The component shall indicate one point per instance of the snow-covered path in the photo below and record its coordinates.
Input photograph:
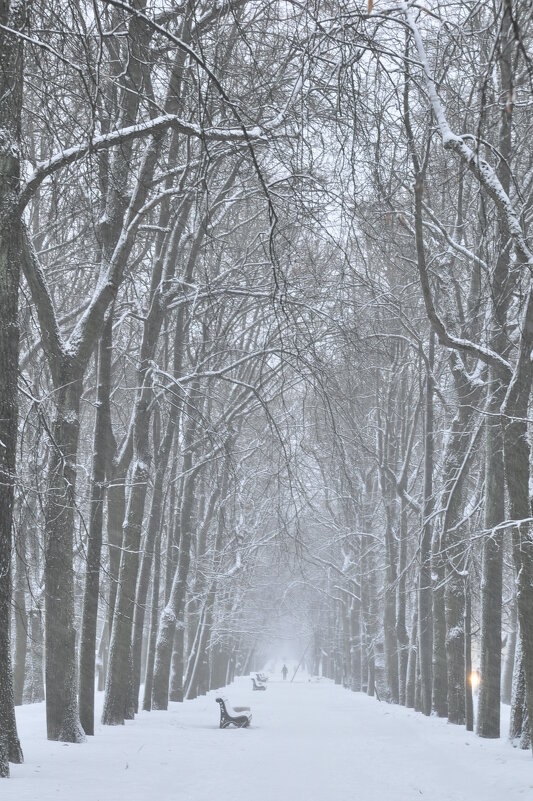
(308, 742)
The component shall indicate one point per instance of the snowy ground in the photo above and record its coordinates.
(308, 742)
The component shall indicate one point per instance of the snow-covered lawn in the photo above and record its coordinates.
(308, 742)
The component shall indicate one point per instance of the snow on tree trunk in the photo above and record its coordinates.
(519, 731)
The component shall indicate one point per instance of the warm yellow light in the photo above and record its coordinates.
(474, 679)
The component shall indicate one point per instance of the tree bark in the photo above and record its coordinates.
(21, 617)
(469, 702)
(510, 650)
(34, 685)
(62, 715)
(152, 536)
(100, 468)
(502, 284)
(11, 80)
(154, 617)
(173, 614)
(425, 608)
(410, 683)
(519, 719)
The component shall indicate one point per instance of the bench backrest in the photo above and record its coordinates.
(228, 709)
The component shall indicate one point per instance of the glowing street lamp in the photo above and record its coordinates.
(474, 679)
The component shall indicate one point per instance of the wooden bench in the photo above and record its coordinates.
(240, 716)
(257, 686)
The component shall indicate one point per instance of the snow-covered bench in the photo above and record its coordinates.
(240, 716)
(256, 685)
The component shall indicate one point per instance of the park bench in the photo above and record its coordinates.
(257, 685)
(240, 716)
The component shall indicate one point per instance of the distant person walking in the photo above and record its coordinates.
(284, 671)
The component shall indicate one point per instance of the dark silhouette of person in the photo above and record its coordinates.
(284, 671)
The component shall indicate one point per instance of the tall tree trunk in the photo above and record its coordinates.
(390, 642)
(119, 702)
(197, 680)
(363, 618)
(510, 650)
(517, 476)
(401, 605)
(62, 716)
(469, 701)
(411, 663)
(119, 694)
(488, 719)
(425, 609)
(21, 618)
(154, 617)
(116, 511)
(176, 692)
(173, 614)
(439, 690)
(94, 543)
(502, 285)
(154, 525)
(34, 685)
(519, 719)
(152, 535)
(11, 78)
(355, 645)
